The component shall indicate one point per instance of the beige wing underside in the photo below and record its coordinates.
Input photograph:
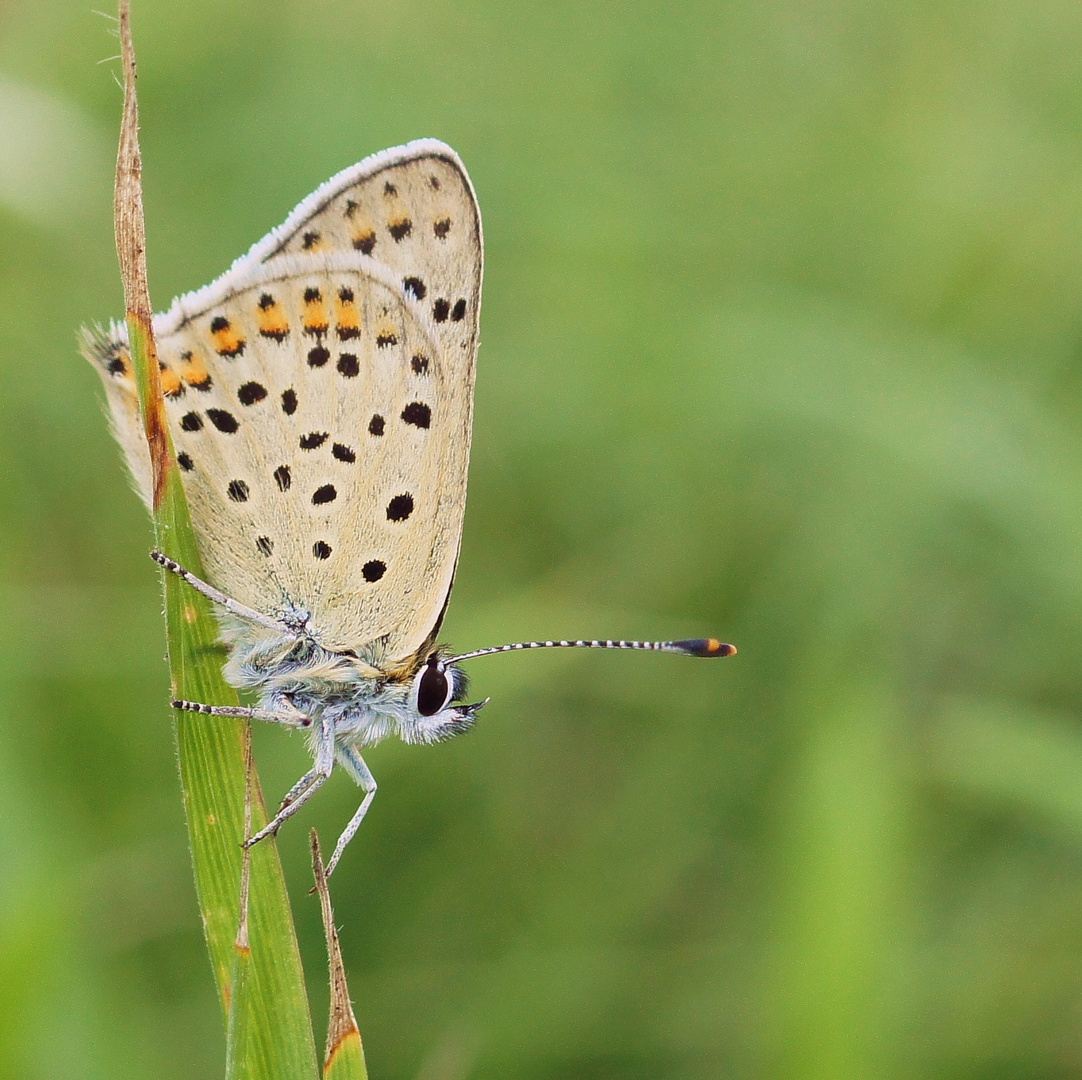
(320, 399)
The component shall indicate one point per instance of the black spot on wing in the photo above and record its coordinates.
(323, 495)
(373, 570)
(251, 392)
(321, 549)
(418, 414)
(313, 440)
(237, 491)
(376, 425)
(400, 508)
(348, 365)
(224, 421)
(289, 402)
(283, 477)
(191, 422)
(343, 453)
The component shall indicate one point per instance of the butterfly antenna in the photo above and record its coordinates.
(692, 647)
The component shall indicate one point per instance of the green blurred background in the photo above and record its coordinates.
(782, 342)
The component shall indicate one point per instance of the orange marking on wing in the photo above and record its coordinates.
(386, 333)
(272, 319)
(399, 219)
(172, 386)
(361, 233)
(227, 342)
(400, 226)
(364, 240)
(346, 315)
(193, 370)
(315, 313)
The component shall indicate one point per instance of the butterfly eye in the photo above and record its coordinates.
(433, 689)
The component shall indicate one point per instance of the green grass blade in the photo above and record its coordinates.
(238, 1027)
(239, 1055)
(346, 1060)
(277, 1023)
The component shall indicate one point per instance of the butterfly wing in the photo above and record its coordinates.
(320, 400)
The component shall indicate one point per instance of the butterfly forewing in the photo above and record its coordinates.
(414, 211)
(320, 401)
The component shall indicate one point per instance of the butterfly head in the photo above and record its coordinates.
(435, 691)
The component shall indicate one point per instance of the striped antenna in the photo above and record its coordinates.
(693, 647)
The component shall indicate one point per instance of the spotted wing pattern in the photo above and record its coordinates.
(320, 401)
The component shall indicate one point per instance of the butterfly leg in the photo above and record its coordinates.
(216, 596)
(354, 764)
(306, 787)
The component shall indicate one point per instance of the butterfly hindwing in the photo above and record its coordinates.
(320, 401)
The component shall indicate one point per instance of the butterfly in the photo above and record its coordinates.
(320, 397)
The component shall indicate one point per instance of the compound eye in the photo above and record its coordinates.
(433, 689)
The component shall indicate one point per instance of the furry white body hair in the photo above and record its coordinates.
(296, 676)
